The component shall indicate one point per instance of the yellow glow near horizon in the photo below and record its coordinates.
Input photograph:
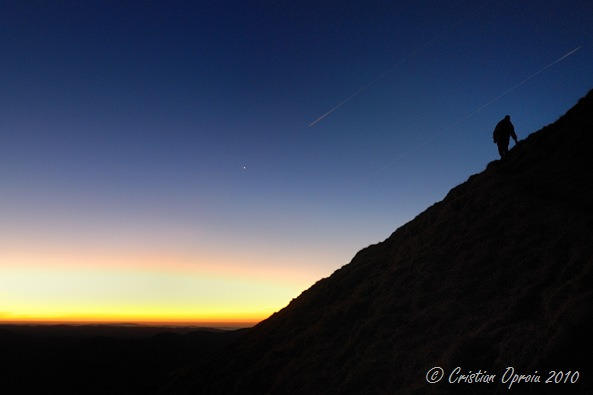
(74, 286)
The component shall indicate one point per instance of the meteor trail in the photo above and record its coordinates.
(346, 100)
(393, 67)
(512, 88)
(500, 96)
(365, 87)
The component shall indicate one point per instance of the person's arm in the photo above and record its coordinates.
(513, 135)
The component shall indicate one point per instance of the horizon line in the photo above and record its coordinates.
(140, 323)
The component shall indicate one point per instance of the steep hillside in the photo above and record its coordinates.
(497, 274)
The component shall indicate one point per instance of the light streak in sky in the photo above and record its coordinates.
(483, 106)
(392, 68)
(365, 87)
(512, 88)
(380, 77)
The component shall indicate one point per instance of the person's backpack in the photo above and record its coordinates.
(502, 131)
(498, 132)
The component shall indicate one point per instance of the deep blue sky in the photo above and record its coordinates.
(118, 118)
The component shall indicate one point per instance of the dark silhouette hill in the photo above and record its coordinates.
(497, 274)
(100, 359)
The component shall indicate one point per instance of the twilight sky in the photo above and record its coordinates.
(157, 162)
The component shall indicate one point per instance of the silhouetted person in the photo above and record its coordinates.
(502, 132)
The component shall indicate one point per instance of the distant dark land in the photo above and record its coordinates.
(497, 274)
(101, 359)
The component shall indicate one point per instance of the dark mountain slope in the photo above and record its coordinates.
(497, 274)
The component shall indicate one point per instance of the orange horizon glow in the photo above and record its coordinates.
(115, 322)
(58, 267)
(86, 284)
(190, 320)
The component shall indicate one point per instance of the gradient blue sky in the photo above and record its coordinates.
(127, 125)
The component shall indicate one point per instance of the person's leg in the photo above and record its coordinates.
(502, 150)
